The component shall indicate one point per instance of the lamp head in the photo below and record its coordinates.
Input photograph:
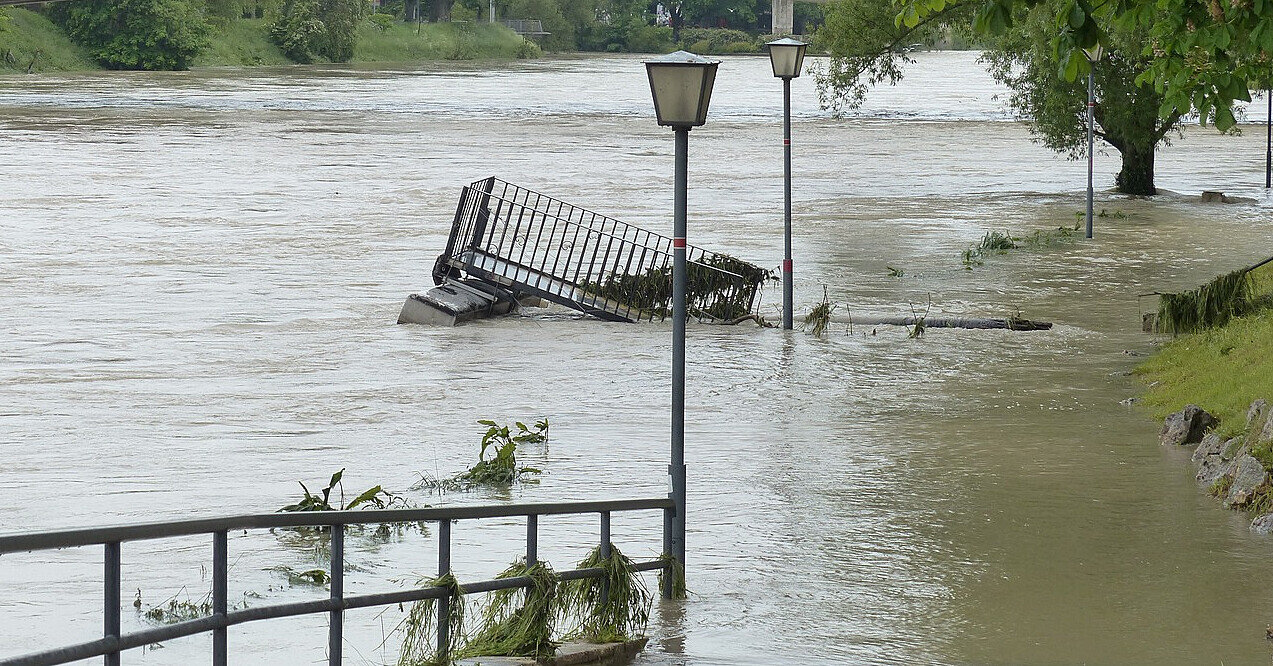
(681, 85)
(787, 57)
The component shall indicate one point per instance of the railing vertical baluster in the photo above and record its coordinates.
(220, 591)
(444, 603)
(605, 554)
(532, 539)
(336, 619)
(110, 587)
(667, 552)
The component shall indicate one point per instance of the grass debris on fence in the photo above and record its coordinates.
(419, 628)
(710, 289)
(615, 607)
(520, 622)
(1210, 306)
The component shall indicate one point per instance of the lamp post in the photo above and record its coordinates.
(787, 56)
(1093, 56)
(681, 84)
(1268, 149)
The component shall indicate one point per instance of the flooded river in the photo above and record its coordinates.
(200, 278)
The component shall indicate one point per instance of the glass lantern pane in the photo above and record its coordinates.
(676, 90)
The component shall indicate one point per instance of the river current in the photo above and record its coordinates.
(201, 272)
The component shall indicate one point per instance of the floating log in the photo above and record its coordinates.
(1011, 323)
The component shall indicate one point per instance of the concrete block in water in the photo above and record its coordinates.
(453, 303)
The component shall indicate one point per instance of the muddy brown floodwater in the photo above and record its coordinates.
(200, 277)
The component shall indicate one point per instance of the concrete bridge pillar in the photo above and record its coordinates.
(783, 17)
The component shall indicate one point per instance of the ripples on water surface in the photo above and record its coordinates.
(201, 273)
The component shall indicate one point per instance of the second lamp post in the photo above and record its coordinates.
(1093, 56)
(787, 56)
(681, 84)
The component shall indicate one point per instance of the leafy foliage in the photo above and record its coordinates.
(1203, 54)
(136, 34)
(997, 242)
(310, 30)
(820, 316)
(374, 497)
(501, 469)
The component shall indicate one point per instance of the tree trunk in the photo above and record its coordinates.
(440, 10)
(1137, 176)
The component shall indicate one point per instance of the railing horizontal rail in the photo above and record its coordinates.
(102, 646)
(14, 543)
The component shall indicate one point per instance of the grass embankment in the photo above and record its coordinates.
(1222, 369)
(240, 43)
(406, 42)
(30, 42)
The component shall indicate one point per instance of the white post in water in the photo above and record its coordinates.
(681, 84)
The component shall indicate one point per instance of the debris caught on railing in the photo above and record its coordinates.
(510, 245)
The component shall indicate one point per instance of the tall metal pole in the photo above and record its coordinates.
(491, 15)
(1268, 152)
(1091, 113)
(787, 280)
(677, 467)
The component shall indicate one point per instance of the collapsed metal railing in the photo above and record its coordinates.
(531, 243)
(113, 641)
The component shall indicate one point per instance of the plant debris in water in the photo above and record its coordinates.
(502, 468)
(820, 316)
(996, 242)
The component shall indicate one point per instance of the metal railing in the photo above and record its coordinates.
(526, 27)
(113, 641)
(530, 242)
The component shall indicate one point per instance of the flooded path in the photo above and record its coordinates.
(200, 277)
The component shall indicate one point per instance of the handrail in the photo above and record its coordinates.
(115, 641)
(91, 536)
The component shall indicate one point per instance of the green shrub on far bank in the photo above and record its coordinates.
(720, 41)
(135, 34)
(311, 30)
(31, 42)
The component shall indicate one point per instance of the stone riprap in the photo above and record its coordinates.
(1226, 467)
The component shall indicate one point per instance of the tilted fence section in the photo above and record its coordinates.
(531, 243)
(113, 641)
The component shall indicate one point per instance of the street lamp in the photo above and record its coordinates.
(787, 56)
(1268, 146)
(681, 84)
(1094, 54)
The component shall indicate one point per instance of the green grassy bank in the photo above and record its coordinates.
(29, 40)
(1222, 369)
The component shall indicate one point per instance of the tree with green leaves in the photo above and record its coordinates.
(136, 34)
(869, 48)
(309, 30)
(1203, 54)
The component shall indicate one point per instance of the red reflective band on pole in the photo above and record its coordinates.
(786, 265)
(678, 243)
(786, 142)
(1091, 104)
